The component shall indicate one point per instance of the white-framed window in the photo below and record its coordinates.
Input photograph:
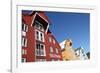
(50, 40)
(38, 60)
(51, 50)
(77, 53)
(57, 50)
(38, 25)
(24, 52)
(53, 41)
(40, 49)
(23, 59)
(39, 35)
(24, 42)
(24, 27)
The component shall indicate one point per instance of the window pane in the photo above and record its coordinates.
(24, 42)
(37, 35)
(56, 50)
(39, 49)
(41, 36)
(49, 39)
(53, 41)
(22, 27)
(38, 25)
(51, 49)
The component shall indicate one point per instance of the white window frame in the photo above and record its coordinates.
(24, 39)
(25, 28)
(37, 50)
(39, 35)
(50, 40)
(23, 33)
(53, 41)
(39, 24)
(57, 50)
(51, 49)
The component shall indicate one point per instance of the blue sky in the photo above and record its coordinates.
(71, 25)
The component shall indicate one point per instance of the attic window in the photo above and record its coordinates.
(38, 25)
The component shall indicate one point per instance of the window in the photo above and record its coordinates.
(24, 52)
(39, 35)
(24, 42)
(77, 53)
(23, 59)
(51, 49)
(82, 51)
(24, 27)
(40, 49)
(50, 39)
(53, 41)
(38, 25)
(56, 50)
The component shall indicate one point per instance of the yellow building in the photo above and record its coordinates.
(68, 52)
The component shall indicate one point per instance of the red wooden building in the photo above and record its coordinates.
(38, 43)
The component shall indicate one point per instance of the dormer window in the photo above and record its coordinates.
(38, 25)
(57, 50)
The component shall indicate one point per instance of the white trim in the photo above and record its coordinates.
(40, 16)
(24, 51)
(38, 23)
(33, 20)
(39, 35)
(47, 28)
(23, 33)
(57, 50)
(25, 27)
(24, 40)
(51, 49)
(54, 41)
(44, 51)
(50, 39)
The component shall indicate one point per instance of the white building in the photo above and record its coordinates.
(81, 54)
(62, 44)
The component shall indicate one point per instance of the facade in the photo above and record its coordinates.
(68, 52)
(81, 54)
(38, 43)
